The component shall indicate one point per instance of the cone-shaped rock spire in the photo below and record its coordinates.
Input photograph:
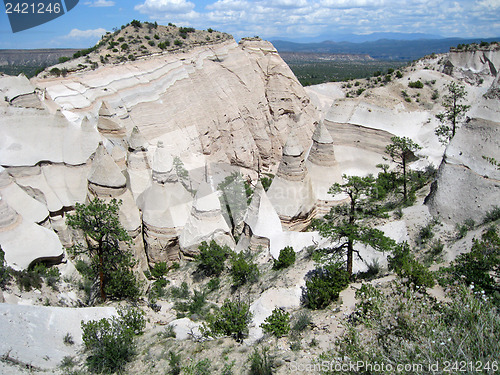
(292, 165)
(105, 172)
(205, 222)
(137, 142)
(163, 165)
(104, 110)
(322, 152)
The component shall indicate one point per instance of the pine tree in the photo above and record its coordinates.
(346, 224)
(101, 226)
(453, 113)
(401, 151)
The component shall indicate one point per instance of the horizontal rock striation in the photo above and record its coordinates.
(232, 101)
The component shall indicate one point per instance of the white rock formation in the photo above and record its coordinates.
(238, 113)
(468, 186)
(106, 181)
(205, 223)
(291, 191)
(166, 207)
(25, 242)
(323, 168)
(35, 334)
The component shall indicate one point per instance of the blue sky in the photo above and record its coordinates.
(83, 26)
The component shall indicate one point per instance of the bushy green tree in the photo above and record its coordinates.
(278, 323)
(285, 259)
(402, 151)
(232, 319)
(346, 224)
(480, 266)
(211, 258)
(110, 342)
(101, 226)
(453, 113)
(243, 270)
(4, 270)
(324, 284)
(406, 266)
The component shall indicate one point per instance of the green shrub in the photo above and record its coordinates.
(68, 339)
(479, 267)
(164, 45)
(4, 270)
(67, 362)
(492, 215)
(211, 258)
(278, 323)
(415, 328)
(64, 59)
(285, 259)
(137, 24)
(177, 42)
(266, 181)
(159, 270)
(260, 362)
(406, 266)
(195, 306)
(174, 361)
(110, 342)
(463, 229)
(302, 321)
(151, 43)
(124, 46)
(213, 284)
(201, 367)
(181, 292)
(324, 284)
(416, 84)
(231, 320)
(425, 233)
(399, 74)
(55, 72)
(243, 270)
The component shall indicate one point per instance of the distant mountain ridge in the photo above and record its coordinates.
(380, 49)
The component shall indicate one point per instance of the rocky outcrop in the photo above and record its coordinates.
(261, 221)
(323, 169)
(205, 223)
(244, 99)
(106, 178)
(291, 190)
(468, 186)
(474, 63)
(166, 207)
(106, 181)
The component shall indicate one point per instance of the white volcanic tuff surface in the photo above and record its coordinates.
(231, 113)
(61, 185)
(30, 136)
(36, 333)
(468, 186)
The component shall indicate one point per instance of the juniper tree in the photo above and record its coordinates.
(346, 224)
(401, 151)
(103, 231)
(454, 111)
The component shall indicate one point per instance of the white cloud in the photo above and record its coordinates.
(82, 34)
(345, 4)
(489, 4)
(228, 5)
(100, 3)
(153, 7)
(288, 4)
